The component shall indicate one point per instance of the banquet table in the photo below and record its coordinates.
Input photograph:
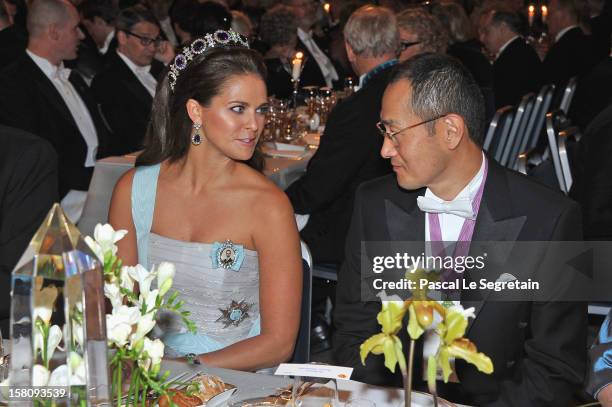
(252, 385)
(281, 170)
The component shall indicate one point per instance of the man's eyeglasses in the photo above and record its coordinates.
(404, 45)
(146, 41)
(391, 135)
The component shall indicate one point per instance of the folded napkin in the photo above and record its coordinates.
(283, 153)
(275, 145)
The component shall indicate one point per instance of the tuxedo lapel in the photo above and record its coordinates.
(131, 82)
(48, 90)
(405, 221)
(495, 221)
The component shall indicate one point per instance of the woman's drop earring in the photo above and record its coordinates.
(196, 139)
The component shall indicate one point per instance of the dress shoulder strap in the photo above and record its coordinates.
(144, 191)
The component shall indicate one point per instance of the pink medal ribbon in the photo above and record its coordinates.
(465, 235)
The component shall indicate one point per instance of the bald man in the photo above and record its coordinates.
(41, 96)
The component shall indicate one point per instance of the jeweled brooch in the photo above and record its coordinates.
(235, 313)
(227, 255)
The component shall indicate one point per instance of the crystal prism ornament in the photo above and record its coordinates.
(58, 326)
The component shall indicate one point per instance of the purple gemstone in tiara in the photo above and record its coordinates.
(221, 36)
(180, 62)
(198, 46)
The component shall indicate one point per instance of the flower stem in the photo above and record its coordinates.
(408, 376)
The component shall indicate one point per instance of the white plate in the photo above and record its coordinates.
(221, 399)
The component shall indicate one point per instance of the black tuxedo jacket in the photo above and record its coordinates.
(593, 94)
(30, 101)
(538, 349)
(28, 189)
(516, 72)
(13, 42)
(311, 73)
(278, 80)
(348, 155)
(572, 55)
(125, 103)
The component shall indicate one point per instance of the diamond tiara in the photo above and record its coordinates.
(198, 46)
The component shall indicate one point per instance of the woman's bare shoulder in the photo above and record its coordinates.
(123, 187)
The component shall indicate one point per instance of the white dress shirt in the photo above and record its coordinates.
(142, 73)
(325, 64)
(451, 225)
(74, 201)
(107, 42)
(563, 31)
(503, 47)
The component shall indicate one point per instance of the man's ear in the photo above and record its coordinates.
(53, 32)
(349, 52)
(121, 37)
(453, 130)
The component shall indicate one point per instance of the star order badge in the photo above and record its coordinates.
(227, 255)
(235, 313)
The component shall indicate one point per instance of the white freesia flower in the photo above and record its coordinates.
(165, 276)
(154, 350)
(143, 277)
(126, 281)
(44, 301)
(149, 299)
(145, 325)
(467, 313)
(59, 377)
(119, 324)
(95, 247)
(77, 369)
(112, 291)
(40, 375)
(53, 340)
(106, 237)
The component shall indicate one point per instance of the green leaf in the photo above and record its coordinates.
(414, 329)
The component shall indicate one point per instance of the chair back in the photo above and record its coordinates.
(517, 130)
(566, 140)
(497, 135)
(568, 95)
(538, 117)
(555, 122)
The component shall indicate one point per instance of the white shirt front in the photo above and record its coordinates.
(503, 47)
(450, 224)
(142, 73)
(58, 75)
(563, 31)
(325, 64)
(107, 42)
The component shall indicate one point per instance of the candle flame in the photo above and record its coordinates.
(326, 7)
(299, 55)
(544, 10)
(531, 9)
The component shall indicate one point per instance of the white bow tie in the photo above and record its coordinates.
(459, 207)
(62, 73)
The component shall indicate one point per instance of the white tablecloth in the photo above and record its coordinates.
(282, 171)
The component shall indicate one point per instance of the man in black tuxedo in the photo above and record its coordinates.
(28, 189)
(348, 153)
(319, 69)
(517, 69)
(40, 96)
(572, 53)
(13, 40)
(593, 94)
(432, 116)
(125, 89)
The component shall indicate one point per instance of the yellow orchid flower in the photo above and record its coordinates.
(387, 342)
(454, 345)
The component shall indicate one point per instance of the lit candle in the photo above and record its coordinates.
(531, 14)
(327, 7)
(297, 65)
(544, 13)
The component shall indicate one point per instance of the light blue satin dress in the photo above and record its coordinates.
(224, 303)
